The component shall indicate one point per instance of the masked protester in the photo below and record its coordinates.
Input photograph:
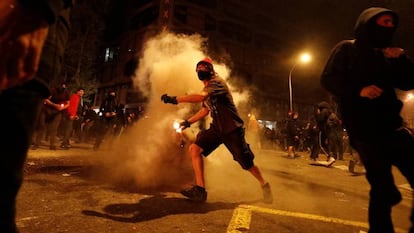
(108, 110)
(226, 128)
(363, 74)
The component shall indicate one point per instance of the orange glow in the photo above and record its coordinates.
(305, 58)
(176, 126)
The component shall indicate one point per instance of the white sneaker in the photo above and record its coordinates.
(331, 161)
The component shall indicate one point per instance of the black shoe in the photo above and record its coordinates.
(351, 166)
(267, 193)
(196, 193)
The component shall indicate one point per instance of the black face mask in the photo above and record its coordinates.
(204, 75)
(61, 89)
(381, 37)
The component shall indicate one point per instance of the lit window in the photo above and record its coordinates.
(109, 54)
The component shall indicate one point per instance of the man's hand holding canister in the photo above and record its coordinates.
(185, 124)
(169, 99)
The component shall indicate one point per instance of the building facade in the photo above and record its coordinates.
(255, 36)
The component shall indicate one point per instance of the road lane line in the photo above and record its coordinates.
(240, 221)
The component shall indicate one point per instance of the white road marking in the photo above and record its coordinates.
(240, 221)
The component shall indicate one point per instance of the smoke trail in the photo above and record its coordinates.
(149, 153)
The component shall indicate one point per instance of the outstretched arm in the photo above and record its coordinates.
(193, 98)
(203, 112)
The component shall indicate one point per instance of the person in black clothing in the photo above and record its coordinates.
(363, 74)
(292, 135)
(108, 109)
(334, 135)
(322, 113)
(51, 115)
(315, 149)
(120, 120)
(27, 27)
(89, 118)
(226, 127)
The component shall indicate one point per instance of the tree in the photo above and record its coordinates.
(84, 48)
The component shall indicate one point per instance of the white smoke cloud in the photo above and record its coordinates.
(149, 154)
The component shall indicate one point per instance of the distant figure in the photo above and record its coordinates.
(89, 118)
(108, 108)
(292, 135)
(253, 132)
(335, 136)
(72, 114)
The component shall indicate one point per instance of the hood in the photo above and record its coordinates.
(366, 30)
(324, 104)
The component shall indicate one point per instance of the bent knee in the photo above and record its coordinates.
(195, 150)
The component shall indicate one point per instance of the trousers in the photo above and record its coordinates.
(20, 108)
(394, 149)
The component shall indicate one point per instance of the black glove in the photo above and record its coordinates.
(185, 124)
(169, 99)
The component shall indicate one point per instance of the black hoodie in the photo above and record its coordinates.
(354, 64)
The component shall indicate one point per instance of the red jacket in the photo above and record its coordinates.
(74, 104)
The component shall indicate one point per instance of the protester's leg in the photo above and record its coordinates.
(384, 194)
(206, 142)
(21, 107)
(340, 146)
(236, 144)
(102, 130)
(67, 132)
(315, 149)
(403, 159)
(198, 164)
(62, 128)
(332, 146)
(53, 130)
(257, 174)
(197, 192)
(39, 130)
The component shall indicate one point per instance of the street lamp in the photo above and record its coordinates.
(304, 58)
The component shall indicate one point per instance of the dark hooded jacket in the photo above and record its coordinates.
(322, 116)
(354, 64)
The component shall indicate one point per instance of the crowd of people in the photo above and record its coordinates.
(323, 133)
(67, 118)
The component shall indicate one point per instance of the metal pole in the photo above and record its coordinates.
(290, 88)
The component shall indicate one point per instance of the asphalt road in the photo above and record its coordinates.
(81, 190)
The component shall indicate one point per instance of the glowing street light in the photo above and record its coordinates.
(304, 58)
(409, 97)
